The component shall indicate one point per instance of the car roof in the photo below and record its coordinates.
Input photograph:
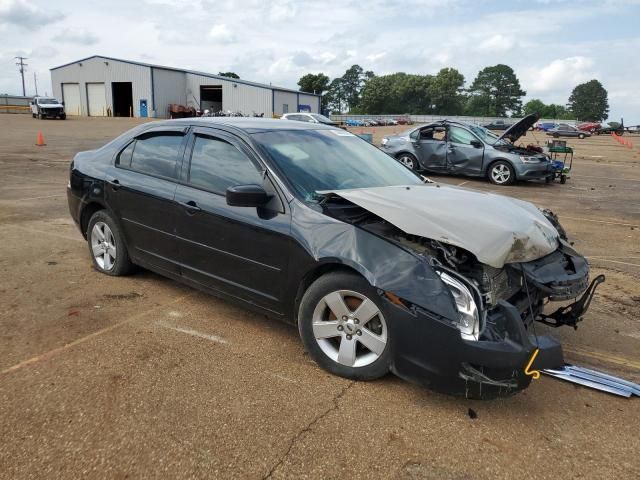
(246, 124)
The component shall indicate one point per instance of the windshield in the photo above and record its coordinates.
(316, 160)
(47, 101)
(321, 118)
(486, 136)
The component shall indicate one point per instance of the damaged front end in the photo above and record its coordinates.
(490, 348)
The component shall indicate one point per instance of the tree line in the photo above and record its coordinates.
(495, 92)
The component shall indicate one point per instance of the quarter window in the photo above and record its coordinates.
(156, 154)
(460, 135)
(124, 159)
(217, 165)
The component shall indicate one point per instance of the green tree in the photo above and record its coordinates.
(535, 106)
(315, 83)
(499, 91)
(353, 82)
(396, 93)
(589, 102)
(229, 74)
(445, 92)
(334, 98)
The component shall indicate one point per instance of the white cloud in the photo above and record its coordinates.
(222, 34)
(559, 74)
(82, 37)
(25, 14)
(282, 10)
(497, 43)
(374, 57)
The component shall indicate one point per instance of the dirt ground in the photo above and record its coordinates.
(140, 376)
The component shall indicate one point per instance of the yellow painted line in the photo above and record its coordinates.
(600, 221)
(605, 357)
(56, 351)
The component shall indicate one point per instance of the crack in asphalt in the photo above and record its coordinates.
(307, 428)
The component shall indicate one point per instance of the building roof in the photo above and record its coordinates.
(193, 72)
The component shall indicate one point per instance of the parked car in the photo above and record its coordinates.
(591, 127)
(47, 107)
(379, 270)
(406, 120)
(566, 130)
(498, 125)
(310, 118)
(544, 126)
(465, 149)
(352, 122)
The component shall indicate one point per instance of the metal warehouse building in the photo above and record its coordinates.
(104, 86)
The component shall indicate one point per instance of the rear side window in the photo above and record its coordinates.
(157, 154)
(217, 165)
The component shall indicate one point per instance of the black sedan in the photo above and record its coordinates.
(380, 270)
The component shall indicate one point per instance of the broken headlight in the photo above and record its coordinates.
(468, 313)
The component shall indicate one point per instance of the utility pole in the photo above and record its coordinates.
(21, 64)
(35, 81)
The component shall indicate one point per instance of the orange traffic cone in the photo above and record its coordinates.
(40, 140)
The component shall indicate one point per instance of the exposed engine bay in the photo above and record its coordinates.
(558, 276)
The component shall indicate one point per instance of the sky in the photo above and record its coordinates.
(552, 45)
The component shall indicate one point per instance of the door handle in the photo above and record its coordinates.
(115, 184)
(191, 206)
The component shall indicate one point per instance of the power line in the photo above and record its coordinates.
(21, 64)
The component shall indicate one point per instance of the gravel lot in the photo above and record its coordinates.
(143, 377)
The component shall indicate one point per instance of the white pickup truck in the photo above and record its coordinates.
(43, 107)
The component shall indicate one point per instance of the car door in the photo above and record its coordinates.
(241, 251)
(431, 147)
(465, 152)
(140, 190)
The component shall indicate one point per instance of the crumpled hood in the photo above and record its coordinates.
(495, 228)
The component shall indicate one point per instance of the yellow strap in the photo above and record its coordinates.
(534, 373)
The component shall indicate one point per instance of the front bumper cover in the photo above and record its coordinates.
(478, 369)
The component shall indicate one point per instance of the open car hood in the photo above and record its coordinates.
(518, 129)
(495, 228)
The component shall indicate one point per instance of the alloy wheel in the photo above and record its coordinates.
(407, 161)
(500, 173)
(349, 328)
(103, 246)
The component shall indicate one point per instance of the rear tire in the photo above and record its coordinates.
(501, 173)
(107, 246)
(408, 161)
(581, 136)
(343, 325)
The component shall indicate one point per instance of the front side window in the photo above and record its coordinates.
(157, 154)
(460, 135)
(217, 165)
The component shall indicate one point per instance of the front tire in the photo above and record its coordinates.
(344, 328)
(581, 136)
(106, 245)
(501, 173)
(408, 161)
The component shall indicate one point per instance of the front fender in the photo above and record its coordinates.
(384, 264)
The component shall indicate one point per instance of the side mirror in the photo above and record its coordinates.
(247, 196)
(476, 143)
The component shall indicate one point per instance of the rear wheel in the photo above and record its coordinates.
(581, 136)
(106, 244)
(408, 161)
(501, 173)
(343, 327)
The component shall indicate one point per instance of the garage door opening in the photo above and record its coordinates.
(71, 98)
(122, 99)
(211, 98)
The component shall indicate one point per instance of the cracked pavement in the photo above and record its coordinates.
(141, 377)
